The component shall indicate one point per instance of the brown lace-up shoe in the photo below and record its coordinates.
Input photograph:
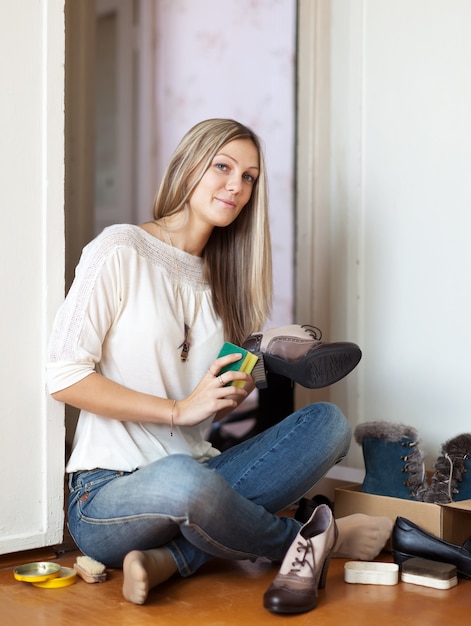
(304, 568)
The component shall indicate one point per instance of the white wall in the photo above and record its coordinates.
(32, 262)
(400, 200)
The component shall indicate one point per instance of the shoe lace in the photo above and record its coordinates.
(304, 548)
(446, 480)
(456, 473)
(450, 487)
(414, 465)
(315, 332)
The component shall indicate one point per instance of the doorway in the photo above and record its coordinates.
(100, 105)
(100, 119)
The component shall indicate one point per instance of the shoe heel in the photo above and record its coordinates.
(400, 557)
(325, 569)
(259, 373)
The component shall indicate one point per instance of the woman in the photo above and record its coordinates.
(135, 347)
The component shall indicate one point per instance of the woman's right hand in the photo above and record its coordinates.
(214, 393)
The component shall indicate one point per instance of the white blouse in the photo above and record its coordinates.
(124, 317)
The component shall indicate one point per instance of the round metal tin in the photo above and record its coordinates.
(67, 576)
(37, 572)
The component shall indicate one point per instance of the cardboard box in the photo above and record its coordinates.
(451, 522)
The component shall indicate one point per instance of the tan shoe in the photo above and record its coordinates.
(297, 352)
(304, 568)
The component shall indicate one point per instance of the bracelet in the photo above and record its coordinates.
(171, 418)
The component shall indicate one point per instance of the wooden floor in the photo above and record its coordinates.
(223, 593)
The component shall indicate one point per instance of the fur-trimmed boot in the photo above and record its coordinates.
(451, 480)
(394, 462)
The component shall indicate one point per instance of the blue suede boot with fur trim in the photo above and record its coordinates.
(394, 462)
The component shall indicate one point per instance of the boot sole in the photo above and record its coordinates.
(320, 368)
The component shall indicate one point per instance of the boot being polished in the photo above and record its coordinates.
(298, 353)
(394, 462)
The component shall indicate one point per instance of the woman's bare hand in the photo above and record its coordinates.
(214, 393)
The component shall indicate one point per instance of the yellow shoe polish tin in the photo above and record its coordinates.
(67, 576)
(38, 572)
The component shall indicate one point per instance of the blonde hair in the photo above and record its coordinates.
(238, 257)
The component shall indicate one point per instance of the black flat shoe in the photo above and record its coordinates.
(409, 540)
(298, 353)
(306, 507)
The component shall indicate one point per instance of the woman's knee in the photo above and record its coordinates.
(342, 425)
(331, 424)
(341, 430)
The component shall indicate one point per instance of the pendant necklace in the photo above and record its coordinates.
(187, 328)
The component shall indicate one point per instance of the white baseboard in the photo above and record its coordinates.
(337, 476)
(347, 474)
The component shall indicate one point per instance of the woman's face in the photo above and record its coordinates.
(227, 185)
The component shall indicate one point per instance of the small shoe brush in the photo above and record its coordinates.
(90, 570)
(428, 573)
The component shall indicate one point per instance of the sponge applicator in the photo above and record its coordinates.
(90, 570)
(429, 573)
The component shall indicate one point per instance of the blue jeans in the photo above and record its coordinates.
(223, 508)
